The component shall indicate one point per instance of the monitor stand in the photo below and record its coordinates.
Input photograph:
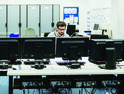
(39, 64)
(14, 62)
(73, 64)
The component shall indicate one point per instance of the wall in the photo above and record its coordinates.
(82, 4)
(99, 4)
(117, 17)
(121, 18)
(99, 12)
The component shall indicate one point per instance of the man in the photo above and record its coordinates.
(60, 30)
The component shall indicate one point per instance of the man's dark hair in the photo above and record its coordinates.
(61, 24)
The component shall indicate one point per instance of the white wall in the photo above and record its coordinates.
(99, 4)
(118, 19)
(115, 19)
(121, 19)
(82, 4)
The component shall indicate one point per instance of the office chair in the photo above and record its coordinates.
(71, 30)
(46, 34)
(30, 32)
(96, 36)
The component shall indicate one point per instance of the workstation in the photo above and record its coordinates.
(90, 61)
(96, 65)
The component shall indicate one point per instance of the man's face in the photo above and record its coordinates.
(61, 30)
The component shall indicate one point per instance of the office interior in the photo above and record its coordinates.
(20, 14)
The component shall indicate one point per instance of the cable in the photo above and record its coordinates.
(81, 90)
(107, 89)
(68, 90)
(42, 91)
(71, 91)
(85, 91)
(26, 82)
(28, 91)
(65, 91)
(39, 91)
(33, 91)
(94, 90)
(24, 91)
(110, 82)
(72, 34)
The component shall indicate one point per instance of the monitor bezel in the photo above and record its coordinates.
(59, 46)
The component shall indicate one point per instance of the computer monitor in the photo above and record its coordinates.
(98, 36)
(71, 30)
(123, 51)
(96, 27)
(106, 51)
(10, 50)
(38, 49)
(72, 49)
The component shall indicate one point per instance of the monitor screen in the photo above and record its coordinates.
(96, 27)
(103, 51)
(71, 30)
(72, 48)
(10, 49)
(38, 48)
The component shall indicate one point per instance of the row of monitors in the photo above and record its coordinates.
(67, 48)
(39, 48)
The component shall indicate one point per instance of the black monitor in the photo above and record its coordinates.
(96, 27)
(38, 48)
(123, 51)
(10, 50)
(71, 30)
(106, 51)
(97, 36)
(72, 49)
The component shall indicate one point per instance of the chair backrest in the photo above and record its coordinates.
(46, 34)
(30, 32)
(71, 30)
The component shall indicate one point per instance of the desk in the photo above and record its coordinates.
(53, 69)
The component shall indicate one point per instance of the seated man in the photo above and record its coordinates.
(60, 32)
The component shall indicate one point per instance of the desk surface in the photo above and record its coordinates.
(54, 69)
